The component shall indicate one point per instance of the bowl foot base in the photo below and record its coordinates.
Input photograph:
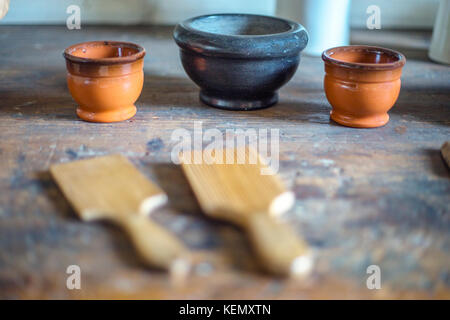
(238, 103)
(117, 115)
(360, 122)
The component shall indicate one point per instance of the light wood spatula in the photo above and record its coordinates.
(112, 188)
(239, 193)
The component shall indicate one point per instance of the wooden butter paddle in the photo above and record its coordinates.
(241, 194)
(112, 188)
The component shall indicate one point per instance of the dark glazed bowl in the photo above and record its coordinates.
(240, 60)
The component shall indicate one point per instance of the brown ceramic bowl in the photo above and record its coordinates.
(105, 78)
(362, 83)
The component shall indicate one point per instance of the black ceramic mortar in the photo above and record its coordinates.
(240, 60)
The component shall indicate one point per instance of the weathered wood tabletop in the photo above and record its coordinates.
(364, 196)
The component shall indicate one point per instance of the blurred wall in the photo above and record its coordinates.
(394, 13)
(128, 11)
(397, 13)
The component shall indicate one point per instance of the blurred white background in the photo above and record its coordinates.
(395, 13)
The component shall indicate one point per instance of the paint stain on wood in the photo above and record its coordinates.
(400, 129)
(155, 144)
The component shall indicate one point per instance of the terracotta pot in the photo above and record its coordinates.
(105, 78)
(362, 83)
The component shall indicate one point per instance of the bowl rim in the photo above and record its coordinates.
(399, 63)
(217, 44)
(105, 61)
(188, 25)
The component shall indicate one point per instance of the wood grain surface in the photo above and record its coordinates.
(364, 196)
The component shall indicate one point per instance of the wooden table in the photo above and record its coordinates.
(364, 196)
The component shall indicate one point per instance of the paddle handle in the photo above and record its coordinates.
(157, 246)
(277, 246)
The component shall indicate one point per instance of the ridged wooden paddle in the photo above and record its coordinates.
(112, 188)
(241, 194)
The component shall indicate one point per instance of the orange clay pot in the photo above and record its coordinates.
(105, 78)
(362, 83)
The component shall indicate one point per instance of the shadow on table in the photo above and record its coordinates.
(169, 91)
(437, 163)
(424, 104)
(164, 92)
(171, 179)
(221, 234)
(298, 103)
(42, 94)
